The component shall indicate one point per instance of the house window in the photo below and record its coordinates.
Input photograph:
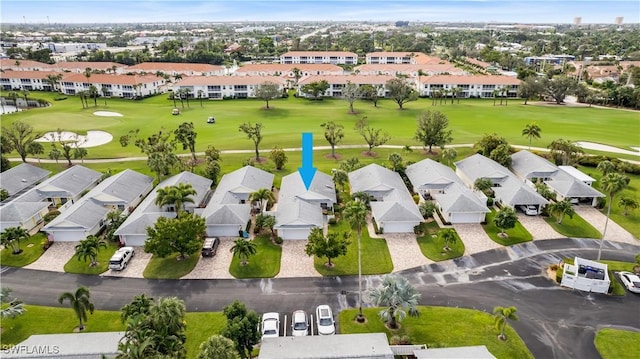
(121, 207)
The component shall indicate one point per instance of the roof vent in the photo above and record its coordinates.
(23, 180)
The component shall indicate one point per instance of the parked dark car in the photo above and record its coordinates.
(210, 247)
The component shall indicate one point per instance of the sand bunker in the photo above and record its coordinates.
(107, 114)
(92, 138)
(606, 148)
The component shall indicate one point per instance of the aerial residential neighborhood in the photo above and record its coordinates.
(330, 180)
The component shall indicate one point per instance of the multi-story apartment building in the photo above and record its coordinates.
(220, 87)
(175, 68)
(336, 83)
(319, 57)
(125, 86)
(470, 86)
(287, 70)
(25, 80)
(388, 57)
(411, 70)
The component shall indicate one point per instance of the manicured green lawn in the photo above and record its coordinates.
(376, 258)
(469, 120)
(617, 344)
(50, 320)
(517, 234)
(432, 246)
(575, 227)
(31, 251)
(442, 327)
(169, 267)
(630, 221)
(264, 264)
(80, 267)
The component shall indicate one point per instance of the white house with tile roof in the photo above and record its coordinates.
(337, 82)
(469, 85)
(219, 87)
(319, 57)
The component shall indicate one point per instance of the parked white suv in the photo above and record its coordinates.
(121, 258)
(324, 320)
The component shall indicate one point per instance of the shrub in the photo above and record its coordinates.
(601, 202)
(50, 216)
(419, 230)
(332, 220)
(416, 198)
(279, 240)
(375, 226)
(489, 201)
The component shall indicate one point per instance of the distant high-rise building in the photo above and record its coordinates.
(577, 20)
(619, 20)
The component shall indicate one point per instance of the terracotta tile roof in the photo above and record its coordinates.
(9, 74)
(82, 65)
(110, 79)
(228, 80)
(409, 68)
(418, 57)
(477, 62)
(11, 64)
(390, 54)
(469, 80)
(174, 66)
(343, 79)
(320, 53)
(288, 67)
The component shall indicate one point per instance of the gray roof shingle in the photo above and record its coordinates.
(296, 205)
(66, 184)
(21, 177)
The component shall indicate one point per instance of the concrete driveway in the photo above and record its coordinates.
(216, 267)
(294, 262)
(475, 239)
(405, 252)
(135, 267)
(54, 258)
(597, 219)
(538, 227)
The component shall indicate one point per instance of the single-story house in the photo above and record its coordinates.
(456, 202)
(579, 175)
(133, 231)
(508, 188)
(67, 346)
(300, 209)
(122, 191)
(347, 346)
(228, 209)
(392, 206)
(586, 275)
(17, 179)
(27, 215)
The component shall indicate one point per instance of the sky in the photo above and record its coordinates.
(138, 11)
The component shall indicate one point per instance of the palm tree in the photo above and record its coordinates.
(175, 195)
(140, 305)
(448, 236)
(531, 130)
(165, 196)
(355, 213)
(611, 184)
(89, 248)
(218, 347)
(200, 95)
(561, 209)
(398, 297)
(340, 178)
(501, 316)
(449, 154)
(495, 94)
(483, 185)
(14, 308)
(80, 302)
(261, 195)
(606, 167)
(12, 236)
(628, 204)
(243, 249)
(104, 91)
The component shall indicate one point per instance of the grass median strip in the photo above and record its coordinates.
(31, 250)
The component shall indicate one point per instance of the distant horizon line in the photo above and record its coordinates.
(324, 22)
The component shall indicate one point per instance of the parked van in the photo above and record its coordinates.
(121, 258)
(210, 247)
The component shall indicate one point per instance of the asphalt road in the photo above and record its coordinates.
(554, 322)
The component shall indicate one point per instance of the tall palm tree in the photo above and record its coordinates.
(218, 347)
(182, 195)
(501, 316)
(628, 204)
(611, 184)
(561, 209)
(104, 91)
(398, 297)
(495, 94)
(80, 302)
(261, 195)
(165, 196)
(200, 96)
(606, 167)
(355, 212)
(89, 248)
(12, 236)
(243, 249)
(531, 130)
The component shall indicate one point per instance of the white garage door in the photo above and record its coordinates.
(135, 240)
(398, 227)
(294, 233)
(222, 231)
(68, 236)
(467, 217)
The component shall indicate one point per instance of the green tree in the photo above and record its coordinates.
(565, 151)
(351, 92)
(340, 178)
(372, 136)
(432, 129)
(140, 305)
(212, 171)
(370, 92)
(186, 135)
(529, 88)
(242, 327)
(558, 87)
(80, 302)
(175, 195)
(628, 204)
(315, 89)
(333, 133)
(160, 150)
(243, 249)
(501, 315)
(19, 135)
(55, 153)
(606, 167)
(36, 149)
(10, 308)
(489, 142)
(279, 157)
(218, 347)
(545, 191)
(89, 248)
(12, 236)
(331, 246)
(531, 131)
(502, 155)
(396, 162)
(182, 234)
(483, 185)
(448, 236)
(262, 195)
(4, 194)
(355, 213)
(254, 133)
(79, 152)
(449, 154)
(611, 184)
(505, 219)
(427, 209)
(561, 209)
(267, 91)
(401, 92)
(397, 297)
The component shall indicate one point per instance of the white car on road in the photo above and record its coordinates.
(270, 325)
(631, 281)
(324, 320)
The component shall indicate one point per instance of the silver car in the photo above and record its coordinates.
(299, 324)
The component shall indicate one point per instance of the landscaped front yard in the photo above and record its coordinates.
(264, 264)
(432, 246)
(617, 344)
(575, 227)
(517, 234)
(31, 250)
(170, 267)
(76, 266)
